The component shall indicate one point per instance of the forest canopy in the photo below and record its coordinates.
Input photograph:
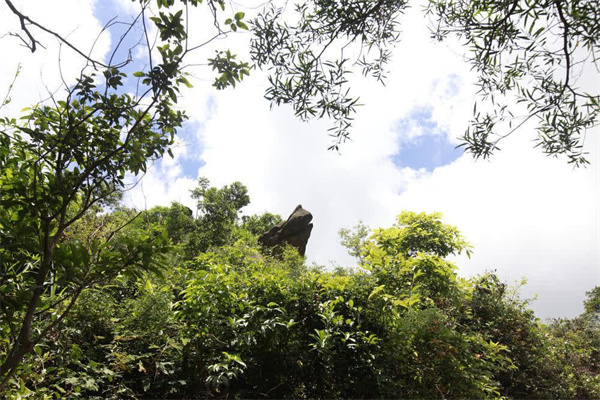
(531, 58)
(220, 316)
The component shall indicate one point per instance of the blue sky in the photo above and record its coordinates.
(106, 11)
(129, 47)
(191, 161)
(430, 149)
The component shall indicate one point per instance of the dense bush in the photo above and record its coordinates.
(236, 321)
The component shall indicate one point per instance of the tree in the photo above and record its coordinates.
(65, 159)
(408, 258)
(218, 214)
(531, 52)
(236, 322)
(394, 330)
(354, 239)
(577, 343)
(259, 224)
(56, 166)
(592, 303)
(525, 52)
(177, 220)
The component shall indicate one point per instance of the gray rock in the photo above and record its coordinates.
(295, 231)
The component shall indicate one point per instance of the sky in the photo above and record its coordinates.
(526, 215)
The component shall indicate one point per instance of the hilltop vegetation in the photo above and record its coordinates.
(219, 316)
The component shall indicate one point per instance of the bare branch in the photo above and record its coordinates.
(33, 45)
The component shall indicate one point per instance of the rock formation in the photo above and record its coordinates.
(295, 231)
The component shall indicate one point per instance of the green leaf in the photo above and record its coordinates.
(172, 95)
(149, 287)
(376, 290)
(239, 16)
(139, 74)
(187, 83)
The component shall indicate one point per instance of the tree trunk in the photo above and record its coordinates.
(24, 344)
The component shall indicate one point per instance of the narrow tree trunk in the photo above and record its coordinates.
(24, 344)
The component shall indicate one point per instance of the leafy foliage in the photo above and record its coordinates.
(259, 224)
(354, 239)
(218, 214)
(532, 51)
(234, 322)
(527, 54)
(63, 163)
(297, 54)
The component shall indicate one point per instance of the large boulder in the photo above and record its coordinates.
(295, 231)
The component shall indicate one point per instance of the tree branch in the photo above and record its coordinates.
(33, 46)
(23, 18)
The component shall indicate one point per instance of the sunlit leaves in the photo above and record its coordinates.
(170, 25)
(237, 22)
(231, 71)
(306, 57)
(529, 53)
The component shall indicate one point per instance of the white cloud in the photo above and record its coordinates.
(40, 71)
(526, 214)
(160, 187)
